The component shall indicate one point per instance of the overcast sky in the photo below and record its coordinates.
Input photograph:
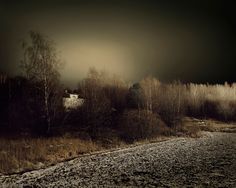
(191, 42)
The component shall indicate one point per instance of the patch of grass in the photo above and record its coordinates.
(24, 154)
(197, 125)
(217, 126)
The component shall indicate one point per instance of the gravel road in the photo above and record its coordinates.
(209, 161)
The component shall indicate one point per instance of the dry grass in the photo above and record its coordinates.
(19, 155)
(24, 154)
(197, 125)
(217, 126)
(190, 127)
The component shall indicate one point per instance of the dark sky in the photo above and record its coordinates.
(193, 41)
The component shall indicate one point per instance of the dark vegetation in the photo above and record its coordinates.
(32, 103)
(113, 111)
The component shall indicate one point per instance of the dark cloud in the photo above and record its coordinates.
(187, 40)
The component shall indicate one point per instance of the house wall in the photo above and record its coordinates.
(72, 103)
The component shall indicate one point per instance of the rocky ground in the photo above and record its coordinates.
(209, 161)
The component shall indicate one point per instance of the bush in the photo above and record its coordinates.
(135, 96)
(141, 124)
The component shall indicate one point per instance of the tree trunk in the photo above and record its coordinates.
(46, 105)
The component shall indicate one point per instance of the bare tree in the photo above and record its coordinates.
(41, 65)
(151, 87)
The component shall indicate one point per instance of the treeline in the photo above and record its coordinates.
(32, 103)
(149, 108)
(114, 108)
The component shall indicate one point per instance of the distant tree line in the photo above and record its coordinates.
(32, 103)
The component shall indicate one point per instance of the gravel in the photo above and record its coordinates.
(209, 161)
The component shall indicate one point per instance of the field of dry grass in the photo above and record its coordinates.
(19, 155)
(24, 154)
(198, 125)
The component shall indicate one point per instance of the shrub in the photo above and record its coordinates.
(141, 124)
(135, 96)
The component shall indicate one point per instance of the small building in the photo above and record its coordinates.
(72, 101)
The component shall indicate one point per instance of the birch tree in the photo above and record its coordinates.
(40, 65)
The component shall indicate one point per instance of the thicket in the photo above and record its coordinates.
(148, 108)
(113, 108)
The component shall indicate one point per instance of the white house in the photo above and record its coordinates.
(72, 101)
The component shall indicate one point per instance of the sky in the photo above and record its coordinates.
(190, 41)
